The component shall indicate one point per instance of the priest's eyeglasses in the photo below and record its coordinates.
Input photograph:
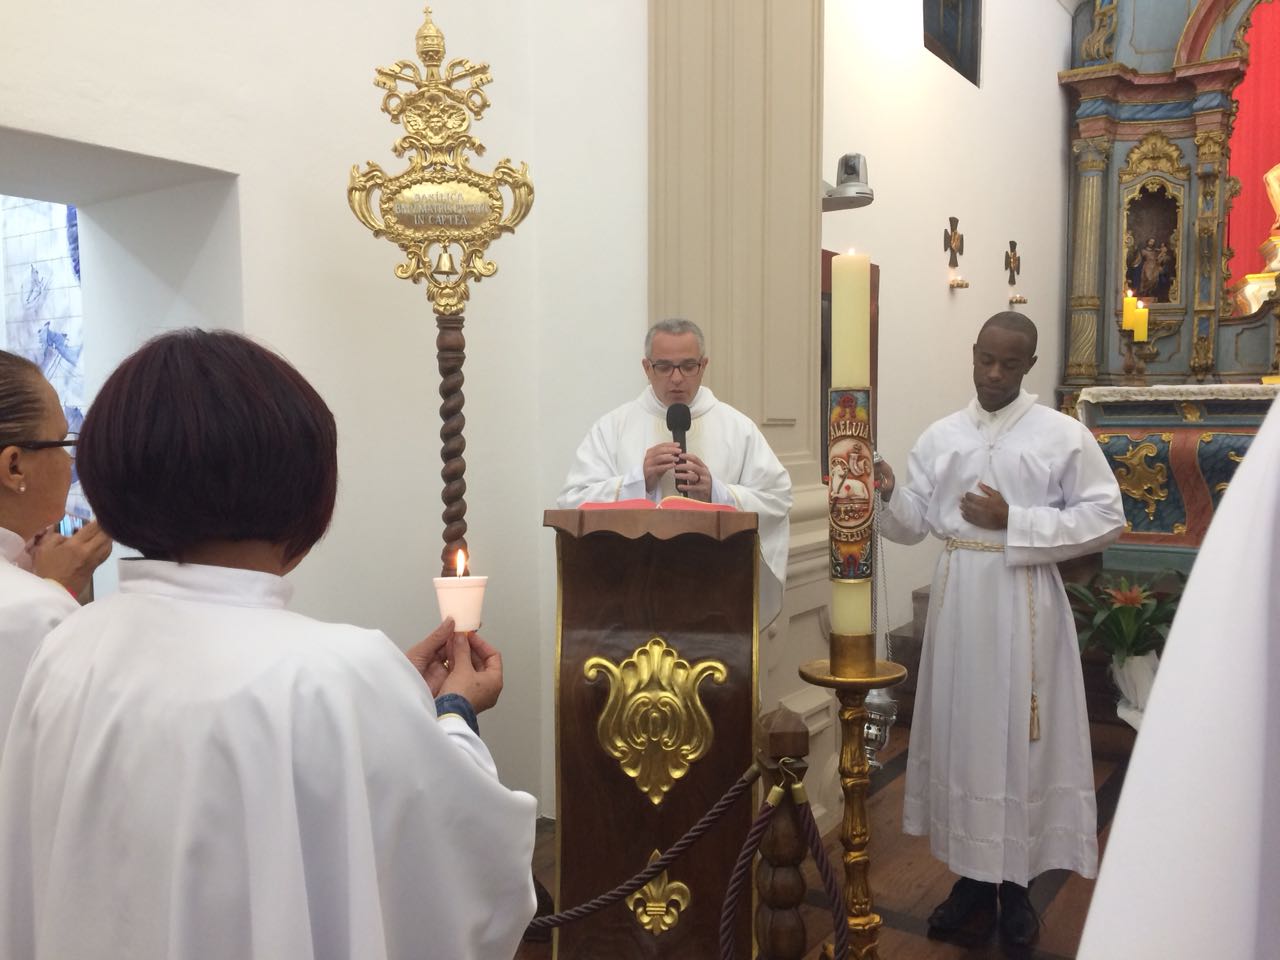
(664, 368)
(68, 444)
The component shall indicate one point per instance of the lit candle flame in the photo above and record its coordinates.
(1141, 305)
(461, 562)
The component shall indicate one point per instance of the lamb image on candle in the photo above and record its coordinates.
(850, 479)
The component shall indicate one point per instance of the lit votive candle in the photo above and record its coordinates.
(461, 597)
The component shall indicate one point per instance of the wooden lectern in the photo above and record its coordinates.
(656, 699)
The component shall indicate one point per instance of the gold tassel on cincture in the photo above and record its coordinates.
(1035, 717)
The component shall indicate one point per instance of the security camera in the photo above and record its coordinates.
(851, 189)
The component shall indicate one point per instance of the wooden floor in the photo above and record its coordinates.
(908, 883)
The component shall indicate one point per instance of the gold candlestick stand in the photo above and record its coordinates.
(438, 205)
(853, 671)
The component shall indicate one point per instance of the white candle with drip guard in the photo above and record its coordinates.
(461, 597)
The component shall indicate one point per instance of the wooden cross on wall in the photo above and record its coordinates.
(953, 241)
(1013, 262)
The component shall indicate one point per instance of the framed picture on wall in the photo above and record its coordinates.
(953, 34)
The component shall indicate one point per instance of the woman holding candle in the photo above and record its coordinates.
(40, 572)
(194, 771)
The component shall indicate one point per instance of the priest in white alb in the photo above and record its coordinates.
(999, 769)
(629, 453)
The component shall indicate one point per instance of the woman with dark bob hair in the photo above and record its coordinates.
(195, 773)
(41, 572)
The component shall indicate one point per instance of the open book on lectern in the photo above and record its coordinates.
(667, 503)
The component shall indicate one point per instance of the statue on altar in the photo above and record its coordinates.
(1271, 179)
(1151, 271)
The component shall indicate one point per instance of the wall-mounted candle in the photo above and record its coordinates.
(461, 597)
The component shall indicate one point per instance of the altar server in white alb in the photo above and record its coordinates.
(999, 770)
(195, 773)
(1191, 868)
(629, 454)
(41, 572)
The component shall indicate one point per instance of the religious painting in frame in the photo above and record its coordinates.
(851, 483)
(1152, 241)
(953, 34)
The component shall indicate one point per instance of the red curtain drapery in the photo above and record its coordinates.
(1255, 142)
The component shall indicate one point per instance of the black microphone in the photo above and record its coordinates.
(678, 420)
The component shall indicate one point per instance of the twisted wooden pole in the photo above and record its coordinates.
(451, 350)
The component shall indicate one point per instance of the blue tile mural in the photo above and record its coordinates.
(40, 265)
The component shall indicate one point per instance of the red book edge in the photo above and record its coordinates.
(668, 503)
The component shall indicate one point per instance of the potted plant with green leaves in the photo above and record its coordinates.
(1129, 622)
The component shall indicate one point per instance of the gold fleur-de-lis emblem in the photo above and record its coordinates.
(654, 723)
(658, 904)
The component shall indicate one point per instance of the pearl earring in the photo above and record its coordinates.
(22, 488)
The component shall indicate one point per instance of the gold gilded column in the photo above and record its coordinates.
(1091, 156)
(1212, 257)
(853, 671)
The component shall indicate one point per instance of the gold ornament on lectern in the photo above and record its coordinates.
(654, 723)
(443, 215)
(439, 202)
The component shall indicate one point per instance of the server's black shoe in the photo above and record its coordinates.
(968, 913)
(1019, 923)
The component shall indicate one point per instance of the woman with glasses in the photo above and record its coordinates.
(41, 572)
(194, 772)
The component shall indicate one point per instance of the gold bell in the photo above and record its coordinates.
(444, 264)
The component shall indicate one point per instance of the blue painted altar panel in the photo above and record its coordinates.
(1161, 514)
(1218, 456)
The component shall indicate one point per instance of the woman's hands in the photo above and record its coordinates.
(465, 664)
(71, 560)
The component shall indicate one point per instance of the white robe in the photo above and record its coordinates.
(1191, 868)
(30, 607)
(745, 473)
(995, 804)
(195, 773)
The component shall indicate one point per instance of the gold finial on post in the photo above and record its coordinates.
(440, 202)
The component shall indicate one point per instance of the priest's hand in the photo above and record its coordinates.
(475, 671)
(885, 480)
(693, 478)
(71, 560)
(430, 657)
(987, 509)
(658, 459)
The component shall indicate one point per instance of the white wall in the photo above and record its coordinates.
(279, 96)
(937, 146)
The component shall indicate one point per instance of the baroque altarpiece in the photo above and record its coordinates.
(1151, 136)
